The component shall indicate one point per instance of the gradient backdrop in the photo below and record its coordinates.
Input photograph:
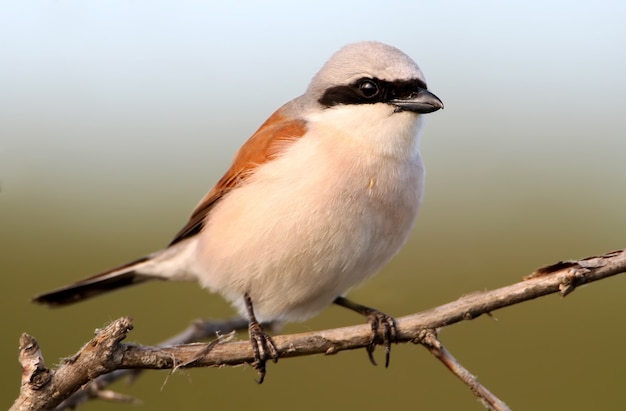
(117, 116)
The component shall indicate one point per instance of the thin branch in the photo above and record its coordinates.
(197, 331)
(430, 341)
(45, 389)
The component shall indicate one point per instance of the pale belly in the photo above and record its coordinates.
(296, 239)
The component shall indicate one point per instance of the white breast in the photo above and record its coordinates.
(309, 225)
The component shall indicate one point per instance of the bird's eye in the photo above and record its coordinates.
(368, 88)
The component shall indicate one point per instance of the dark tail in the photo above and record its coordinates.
(110, 280)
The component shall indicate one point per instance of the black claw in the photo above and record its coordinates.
(264, 348)
(374, 323)
(370, 352)
(384, 330)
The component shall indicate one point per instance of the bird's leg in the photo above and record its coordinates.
(383, 327)
(262, 344)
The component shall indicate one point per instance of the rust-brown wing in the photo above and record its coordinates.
(265, 144)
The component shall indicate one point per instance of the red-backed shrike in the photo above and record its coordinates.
(318, 199)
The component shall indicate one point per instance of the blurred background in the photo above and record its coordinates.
(116, 117)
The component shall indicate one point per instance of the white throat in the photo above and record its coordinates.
(375, 127)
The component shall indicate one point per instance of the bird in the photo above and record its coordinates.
(317, 200)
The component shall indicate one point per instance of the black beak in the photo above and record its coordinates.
(422, 101)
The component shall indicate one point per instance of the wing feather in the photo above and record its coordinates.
(266, 144)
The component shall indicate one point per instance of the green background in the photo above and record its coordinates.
(116, 117)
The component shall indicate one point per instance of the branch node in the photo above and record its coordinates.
(424, 336)
(35, 375)
(430, 339)
(468, 316)
(567, 286)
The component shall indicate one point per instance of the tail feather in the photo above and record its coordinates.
(110, 280)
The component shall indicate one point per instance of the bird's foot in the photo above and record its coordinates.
(263, 347)
(262, 344)
(384, 330)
